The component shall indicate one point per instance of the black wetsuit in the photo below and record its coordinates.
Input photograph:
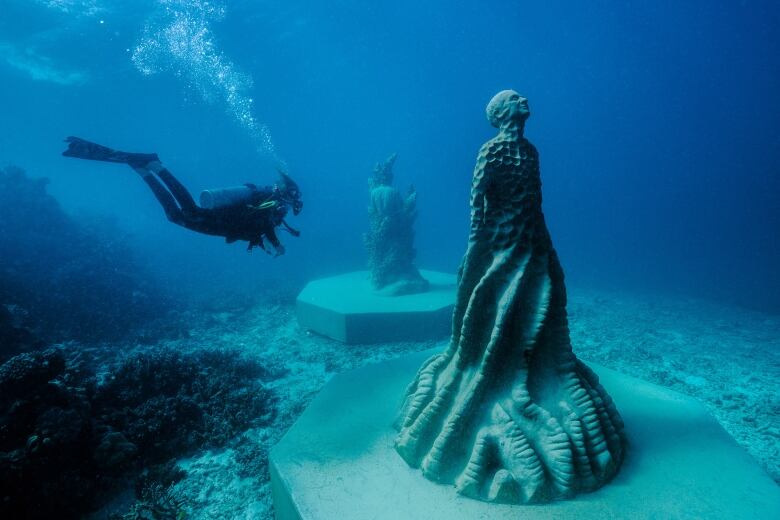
(252, 220)
(241, 221)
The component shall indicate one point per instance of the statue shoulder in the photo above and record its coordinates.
(530, 149)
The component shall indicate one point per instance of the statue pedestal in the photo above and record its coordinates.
(338, 461)
(346, 308)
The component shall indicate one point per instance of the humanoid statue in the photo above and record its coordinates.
(507, 413)
(390, 239)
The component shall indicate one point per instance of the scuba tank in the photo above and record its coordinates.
(219, 198)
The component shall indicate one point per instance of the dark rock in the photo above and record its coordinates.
(74, 278)
(114, 451)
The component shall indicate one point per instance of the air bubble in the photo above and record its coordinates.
(178, 39)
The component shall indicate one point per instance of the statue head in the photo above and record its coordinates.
(383, 173)
(507, 106)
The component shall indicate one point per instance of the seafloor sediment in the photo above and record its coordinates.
(727, 357)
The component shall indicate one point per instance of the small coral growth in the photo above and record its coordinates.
(156, 503)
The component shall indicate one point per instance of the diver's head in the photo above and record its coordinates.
(290, 193)
(507, 106)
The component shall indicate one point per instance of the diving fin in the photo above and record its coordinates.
(83, 149)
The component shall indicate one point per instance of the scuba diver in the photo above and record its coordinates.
(238, 213)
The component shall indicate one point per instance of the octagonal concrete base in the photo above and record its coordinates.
(346, 308)
(338, 461)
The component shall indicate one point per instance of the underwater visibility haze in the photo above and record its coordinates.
(144, 365)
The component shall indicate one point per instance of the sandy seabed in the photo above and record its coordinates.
(725, 356)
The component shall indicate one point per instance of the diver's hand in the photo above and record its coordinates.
(279, 249)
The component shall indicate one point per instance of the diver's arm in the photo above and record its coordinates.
(271, 235)
(294, 232)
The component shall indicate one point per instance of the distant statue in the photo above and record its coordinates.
(390, 239)
(508, 413)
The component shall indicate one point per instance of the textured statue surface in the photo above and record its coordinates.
(507, 413)
(390, 239)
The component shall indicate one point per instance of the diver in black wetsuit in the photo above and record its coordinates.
(253, 216)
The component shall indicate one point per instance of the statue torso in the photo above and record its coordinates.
(506, 194)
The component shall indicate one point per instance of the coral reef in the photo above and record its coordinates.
(390, 239)
(59, 273)
(507, 412)
(74, 427)
(165, 401)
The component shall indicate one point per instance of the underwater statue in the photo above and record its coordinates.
(390, 239)
(507, 413)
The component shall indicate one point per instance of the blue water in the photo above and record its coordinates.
(656, 123)
(657, 128)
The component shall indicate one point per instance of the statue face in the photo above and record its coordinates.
(506, 106)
